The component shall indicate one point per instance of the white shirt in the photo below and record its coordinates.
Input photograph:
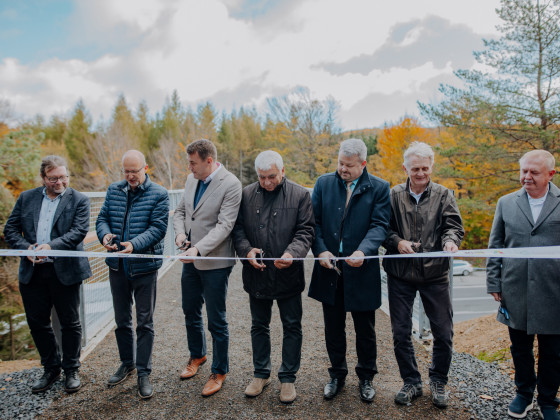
(213, 174)
(416, 196)
(536, 205)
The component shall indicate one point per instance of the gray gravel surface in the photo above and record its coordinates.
(173, 398)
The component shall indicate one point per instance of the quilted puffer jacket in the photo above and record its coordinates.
(144, 225)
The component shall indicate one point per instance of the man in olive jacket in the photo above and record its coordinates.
(424, 218)
(275, 220)
(529, 289)
(352, 211)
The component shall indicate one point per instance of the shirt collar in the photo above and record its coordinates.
(537, 201)
(213, 174)
(59, 196)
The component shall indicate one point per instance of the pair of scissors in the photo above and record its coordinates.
(335, 268)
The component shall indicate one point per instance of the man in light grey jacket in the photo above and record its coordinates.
(203, 221)
(529, 289)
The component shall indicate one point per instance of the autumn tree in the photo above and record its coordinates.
(511, 104)
(313, 130)
(392, 143)
(76, 136)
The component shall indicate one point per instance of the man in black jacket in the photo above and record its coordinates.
(275, 221)
(424, 217)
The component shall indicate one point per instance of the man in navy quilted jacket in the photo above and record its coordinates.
(134, 219)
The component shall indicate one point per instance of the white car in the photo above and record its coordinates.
(462, 268)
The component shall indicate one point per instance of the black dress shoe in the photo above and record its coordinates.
(145, 388)
(333, 388)
(72, 381)
(46, 381)
(121, 374)
(366, 390)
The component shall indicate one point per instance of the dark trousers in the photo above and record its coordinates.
(39, 296)
(437, 304)
(290, 315)
(547, 381)
(335, 338)
(134, 351)
(210, 287)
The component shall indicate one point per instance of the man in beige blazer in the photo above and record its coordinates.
(203, 222)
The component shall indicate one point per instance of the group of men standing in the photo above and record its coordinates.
(271, 225)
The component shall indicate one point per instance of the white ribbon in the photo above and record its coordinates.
(544, 252)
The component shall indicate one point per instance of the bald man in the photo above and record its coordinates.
(528, 289)
(133, 219)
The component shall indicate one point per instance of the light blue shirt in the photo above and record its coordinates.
(46, 217)
(352, 187)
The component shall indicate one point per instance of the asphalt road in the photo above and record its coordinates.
(470, 299)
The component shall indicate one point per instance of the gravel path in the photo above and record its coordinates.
(173, 398)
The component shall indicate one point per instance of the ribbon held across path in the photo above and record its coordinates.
(544, 252)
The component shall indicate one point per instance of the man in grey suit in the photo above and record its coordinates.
(52, 217)
(529, 289)
(203, 222)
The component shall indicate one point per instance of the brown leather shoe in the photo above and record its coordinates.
(192, 367)
(213, 385)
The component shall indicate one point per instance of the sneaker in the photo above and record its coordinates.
(407, 393)
(440, 398)
(519, 407)
(121, 374)
(549, 413)
(256, 386)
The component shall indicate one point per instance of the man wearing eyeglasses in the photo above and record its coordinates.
(133, 219)
(529, 289)
(52, 217)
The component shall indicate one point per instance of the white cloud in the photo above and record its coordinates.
(198, 48)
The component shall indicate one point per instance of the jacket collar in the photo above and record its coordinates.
(425, 193)
(123, 185)
(552, 201)
(364, 183)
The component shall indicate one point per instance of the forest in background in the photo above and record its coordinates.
(508, 105)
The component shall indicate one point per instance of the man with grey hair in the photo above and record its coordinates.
(528, 289)
(275, 221)
(55, 217)
(352, 211)
(424, 217)
(133, 219)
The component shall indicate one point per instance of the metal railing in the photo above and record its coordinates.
(96, 305)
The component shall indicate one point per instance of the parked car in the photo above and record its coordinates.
(462, 268)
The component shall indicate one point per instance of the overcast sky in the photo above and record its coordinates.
(376, 58)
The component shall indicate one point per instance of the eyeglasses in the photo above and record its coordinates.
(54, 179)
(131, 172)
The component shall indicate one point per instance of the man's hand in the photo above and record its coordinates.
(29, 257)
(325, 259)
(179, 239)
(252, 254)
(127, 248)
(407, 247)
(356, 259)
(497, 296)
(106, 239)
(284, 262)
(42, 247)
(191, 252)
(450, 247)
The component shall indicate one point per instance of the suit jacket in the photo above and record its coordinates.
(211, 222)
(361, 226)
(530, 287)
(70, 226)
